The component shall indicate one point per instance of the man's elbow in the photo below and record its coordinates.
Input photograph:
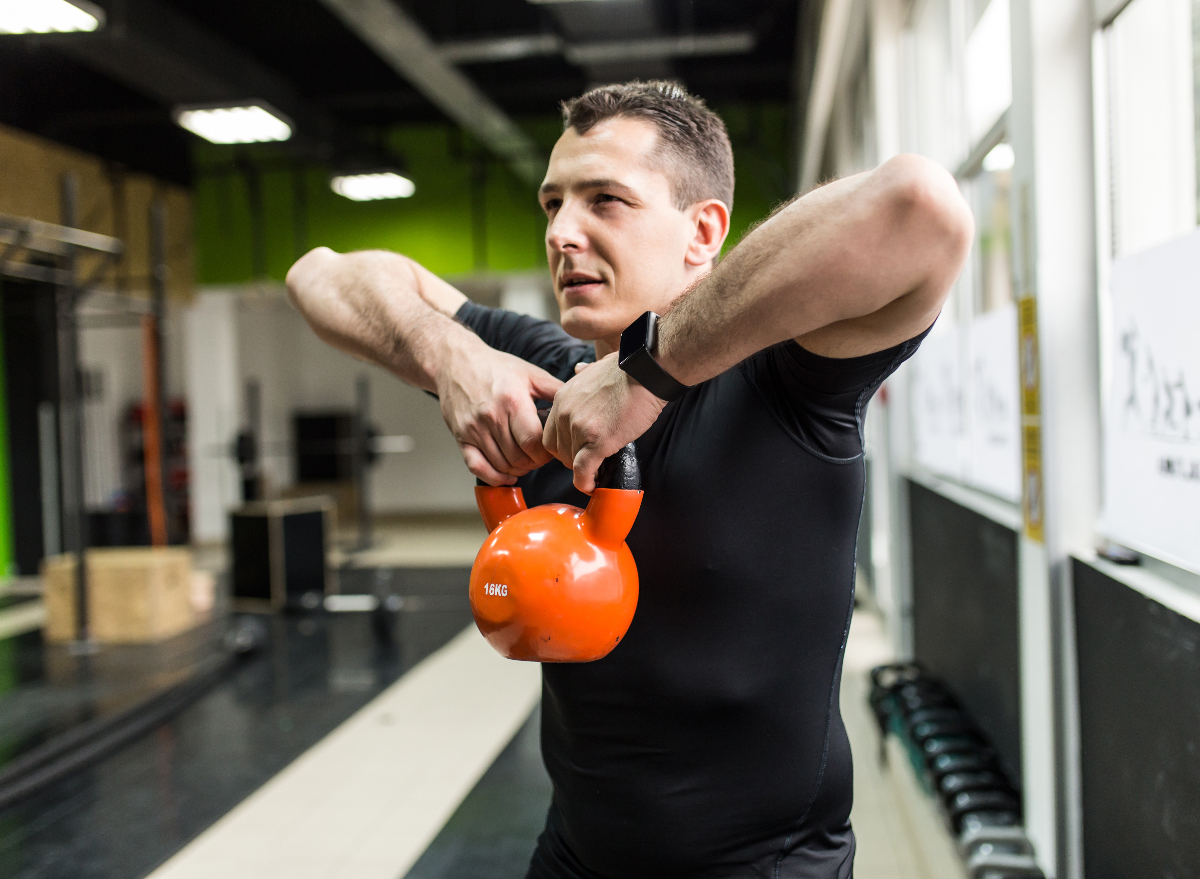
(927, 205)
(305, 268)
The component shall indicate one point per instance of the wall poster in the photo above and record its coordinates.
(1152, 412)
(966, 403)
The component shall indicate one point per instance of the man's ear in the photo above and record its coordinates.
(711, 219)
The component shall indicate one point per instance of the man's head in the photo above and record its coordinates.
(637, 198)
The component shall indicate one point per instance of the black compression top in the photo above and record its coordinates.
(709, 742)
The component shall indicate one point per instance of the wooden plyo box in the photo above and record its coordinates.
(135, 595)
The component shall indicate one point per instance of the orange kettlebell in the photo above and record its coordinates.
(556, 583)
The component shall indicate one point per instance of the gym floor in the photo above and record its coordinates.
(336, 753)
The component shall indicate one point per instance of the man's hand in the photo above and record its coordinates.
(596, 414)
(487, 399)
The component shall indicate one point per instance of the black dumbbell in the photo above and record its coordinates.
(957, 782)
(965, 743)
(927, 715)
(966, 761)
(929, 729)
(913, 699)
(885, 681)
(978, 801)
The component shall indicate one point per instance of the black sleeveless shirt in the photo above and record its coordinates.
(710, 738)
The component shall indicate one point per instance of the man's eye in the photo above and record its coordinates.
(604, 196)
(551, 204)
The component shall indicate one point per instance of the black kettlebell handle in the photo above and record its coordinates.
(616, 471)
(620, 471)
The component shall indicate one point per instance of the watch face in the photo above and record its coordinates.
(637, 335)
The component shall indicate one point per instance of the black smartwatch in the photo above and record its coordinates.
(636, 357)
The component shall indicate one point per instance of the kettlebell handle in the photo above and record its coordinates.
(616, 471)
(620, 471)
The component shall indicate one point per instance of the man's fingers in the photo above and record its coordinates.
(488, 444)
(479, 467)
(515, 458)
(543, 385)
(580, 367)
(586, 463)
(550, 439)
(527, 434)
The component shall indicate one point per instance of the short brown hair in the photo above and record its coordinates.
(692, 138)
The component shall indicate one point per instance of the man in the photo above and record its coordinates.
(709, 742)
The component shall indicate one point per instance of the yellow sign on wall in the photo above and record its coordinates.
(1032, 493)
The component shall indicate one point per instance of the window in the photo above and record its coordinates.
(1152, 93)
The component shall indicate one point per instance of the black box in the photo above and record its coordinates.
(280, 552)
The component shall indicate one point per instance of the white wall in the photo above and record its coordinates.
(253, 332)
(214, 414)
(432, 477)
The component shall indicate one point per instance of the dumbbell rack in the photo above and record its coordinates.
(959, 766)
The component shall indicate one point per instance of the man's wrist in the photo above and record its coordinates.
(637, 358)
(446, 343)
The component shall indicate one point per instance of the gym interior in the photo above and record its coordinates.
(236, 635)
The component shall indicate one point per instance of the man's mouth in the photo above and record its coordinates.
(580, 283)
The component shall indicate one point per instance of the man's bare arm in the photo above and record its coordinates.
(856, 266)
(385, 308)
(381, 307)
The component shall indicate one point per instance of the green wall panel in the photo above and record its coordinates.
(436, 226)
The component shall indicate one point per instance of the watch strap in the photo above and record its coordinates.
(636, 358)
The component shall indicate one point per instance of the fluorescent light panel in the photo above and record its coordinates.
(244, 123)
(48, 17)
(373, 187)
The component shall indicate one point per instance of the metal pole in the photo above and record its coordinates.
(157, 406)
(362, 437)
(71, 421)
(250, 454)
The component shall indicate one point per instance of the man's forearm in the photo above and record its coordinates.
(857, 265)
(381, 307)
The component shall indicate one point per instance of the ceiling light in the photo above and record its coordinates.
(48, 16)
(373, 186)
(549, 2)
(249, 122)
(1001, 158)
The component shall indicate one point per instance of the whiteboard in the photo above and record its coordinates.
(937, 398)
(994, 430)
(965, 398)
(1152, 411)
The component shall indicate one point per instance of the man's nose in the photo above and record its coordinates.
(565, 231)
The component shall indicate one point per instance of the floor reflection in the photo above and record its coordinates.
(123, 817)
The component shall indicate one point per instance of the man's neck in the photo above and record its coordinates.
(607, 346)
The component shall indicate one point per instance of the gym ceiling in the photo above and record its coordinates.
(344, 70)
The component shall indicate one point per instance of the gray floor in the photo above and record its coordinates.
(126, 815)
(494, 831)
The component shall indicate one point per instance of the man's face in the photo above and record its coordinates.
(615, 241)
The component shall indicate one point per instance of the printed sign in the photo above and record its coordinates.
(1152, 416)
(994, 459)
(966, 404)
